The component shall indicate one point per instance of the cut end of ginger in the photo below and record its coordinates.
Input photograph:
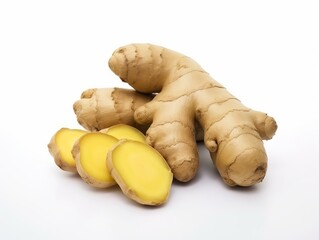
(90, 152)
(123, 131)
(140, 171)
(61, 145)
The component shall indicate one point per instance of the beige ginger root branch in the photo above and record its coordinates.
(104, 107)
(140, 171)
(101, 108)
(233, 133)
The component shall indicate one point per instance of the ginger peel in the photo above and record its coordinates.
(100, 108)
(186, 93)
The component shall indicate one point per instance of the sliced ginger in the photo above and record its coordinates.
(140, 171)
(61, 145)
(90, 152)
(123, 131)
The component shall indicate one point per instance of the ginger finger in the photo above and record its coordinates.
(101, 108)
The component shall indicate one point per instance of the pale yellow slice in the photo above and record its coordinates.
(140, 171)
(123, 131)
(60, 147)
(90, 153)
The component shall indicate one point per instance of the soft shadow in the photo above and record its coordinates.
(133, 203)
(185, 184)
(251, 189)
(148, 207)
(206, 165)
(109, 190)
(116, 190)
(87, 187)
(207, 169)
(71, 175)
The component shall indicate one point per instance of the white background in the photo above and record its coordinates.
(265, 52)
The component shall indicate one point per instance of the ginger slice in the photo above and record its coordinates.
(60, 147)
(123, 131)
(90, 153)
(141, 172)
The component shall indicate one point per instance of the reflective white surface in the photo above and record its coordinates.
(266, 54)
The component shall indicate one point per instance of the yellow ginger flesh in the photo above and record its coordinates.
(61, 145)
(123, 131)
(90, 153)
(141, 172)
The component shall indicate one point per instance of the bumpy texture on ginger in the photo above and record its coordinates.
(100, 108)
(233, 133)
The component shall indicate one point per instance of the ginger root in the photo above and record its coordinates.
(90, 152)
(182, 104)
(60, 147)
(100, 108)
(233, 133)
(124, 131)
(141, 172)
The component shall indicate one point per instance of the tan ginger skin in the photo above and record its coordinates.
(101, 108)
(187, 94)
